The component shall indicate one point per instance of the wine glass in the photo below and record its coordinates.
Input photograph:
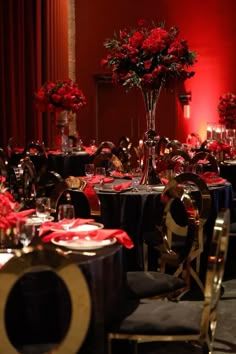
(25, 232)
(66, 213)
(100, 172)
(43, 207)
(136, 177)
(89, 170)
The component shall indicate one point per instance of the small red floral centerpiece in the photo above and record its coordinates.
(59, 96)
(9, 208)
(217, 147)
(227, 110)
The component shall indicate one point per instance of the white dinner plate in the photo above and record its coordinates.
(158, 188)
(230, 162)
(90, 226)
(219, 184)
(35, 220)
(4, 258)
(82, 244)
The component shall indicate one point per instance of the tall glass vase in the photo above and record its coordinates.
(62, 122)
(150, 139)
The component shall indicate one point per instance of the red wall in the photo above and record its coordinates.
(209, 27)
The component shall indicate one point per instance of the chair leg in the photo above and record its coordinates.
(145, 256)
(197, 279)
(135, 347)
(109, 346)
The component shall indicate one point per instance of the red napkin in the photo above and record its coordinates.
(90, 150)
(19, 150)
(118, 174)
(96, 179)
(47, 226)
(92, 197)
(18, 215)
(122, 186)
(212, 177)
(55, 152)
(96, 235)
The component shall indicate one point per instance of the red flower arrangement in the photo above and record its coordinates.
(59, 96)
(163, 165)
(148, 57)
(218, 146)
(227, 109)
(9, 208)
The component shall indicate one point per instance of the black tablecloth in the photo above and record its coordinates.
(38, 310)
(68, 164)
(138, 213)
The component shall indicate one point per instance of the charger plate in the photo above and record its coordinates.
(82, 244)
(35, 220)
(90, 226)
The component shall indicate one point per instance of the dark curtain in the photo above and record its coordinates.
(33, 48)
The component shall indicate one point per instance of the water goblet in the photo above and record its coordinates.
(100, 172)
(66, 213)
(89, 170)
(25, 232)
(43, 207)
(136, 177)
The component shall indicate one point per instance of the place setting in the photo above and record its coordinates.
(79, 233)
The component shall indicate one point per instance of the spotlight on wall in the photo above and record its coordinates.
(185, 99)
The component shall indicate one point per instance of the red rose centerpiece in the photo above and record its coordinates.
(227, 110)
(148, 57)
(9, 214)
(63, 97)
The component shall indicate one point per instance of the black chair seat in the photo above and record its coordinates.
(150, 284)
(163, 317)
(232, 228)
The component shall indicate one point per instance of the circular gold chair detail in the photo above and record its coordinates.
(38, 259)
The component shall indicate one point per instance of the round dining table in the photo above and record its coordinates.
(139, 212)
(68, 164)
(38, 311)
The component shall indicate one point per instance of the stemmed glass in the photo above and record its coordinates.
(100, 172)
(89, 170)
(43, 207)
(25, 232)
(136, 173)
(66, 212)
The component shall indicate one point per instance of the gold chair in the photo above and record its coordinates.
(28, 178)
(64, 194)
(183, 321)
(203, 155)
(79, 184)
(3, 163)
(36, 261)
(185, 186)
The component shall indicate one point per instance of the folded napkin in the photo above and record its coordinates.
(14, 216)
(212, 177)
(96, 179)
(95, 235)
(55, 152)
(118, 174)
(122, 186)
(49, 225)
(18, 150)
(92, 197)
(90, 150)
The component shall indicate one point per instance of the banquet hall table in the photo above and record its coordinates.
(138, 213)
(71, 164)
(105, 274)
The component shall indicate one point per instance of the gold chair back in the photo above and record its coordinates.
(40, 259)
